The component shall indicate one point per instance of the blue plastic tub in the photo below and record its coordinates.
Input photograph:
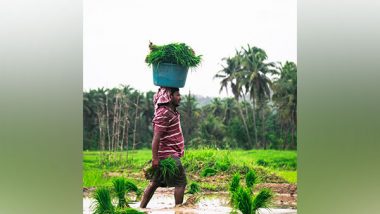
(169, 75)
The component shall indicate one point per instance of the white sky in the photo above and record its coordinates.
(117, 33)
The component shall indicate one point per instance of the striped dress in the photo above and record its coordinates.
(168, 122)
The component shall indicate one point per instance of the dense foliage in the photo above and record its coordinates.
(261, 114)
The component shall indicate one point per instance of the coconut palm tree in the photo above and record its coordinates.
(255, 80)
(231, 76)
(190, 114)
(285, 98)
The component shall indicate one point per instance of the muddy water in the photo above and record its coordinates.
(163, 203)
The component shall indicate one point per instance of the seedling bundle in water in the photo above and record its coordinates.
(174, 53)
(243, 198)
(103, 199)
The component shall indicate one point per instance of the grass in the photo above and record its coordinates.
(225, 162)
(210, 187)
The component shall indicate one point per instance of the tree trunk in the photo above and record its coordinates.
(135, 125)
(245, 124)
(263, 126)
(126, 130)
(107, 125)
(254, 122)
(114, 124)
(101, 138)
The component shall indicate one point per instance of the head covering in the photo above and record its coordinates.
(161, 97)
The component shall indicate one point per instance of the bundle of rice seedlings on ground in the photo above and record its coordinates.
(175, 53)
(208, 172)
(234, 186)
(194, 188)
(250, 179)
(103, 203)
(235, 183)
(131, 187)
(120, 188)
(243, 200)
(262, 199)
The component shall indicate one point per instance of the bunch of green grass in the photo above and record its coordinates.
(262, 199)
(208, 172)
(120, 188)
(250, 179)
(194, 188)
(243, 200)
(247, 203)
(235, 183)
(175, 53)
(223, 165)
(168, 169)
(103, 203)
(132, 187)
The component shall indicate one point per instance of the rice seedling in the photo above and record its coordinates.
(222, 165)
(168, 169)
(235, 183)
(175, 53)
(131, 187)
(120, 188)
(103, 203)
(208, 172)
(194, 188)
(250, 179)
(262, 199)
(243, 200)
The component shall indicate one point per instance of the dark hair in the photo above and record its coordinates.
(172, 90)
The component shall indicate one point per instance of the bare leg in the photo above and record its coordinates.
(178, 194)
(148, 193)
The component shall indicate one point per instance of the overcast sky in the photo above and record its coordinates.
(117, 33)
